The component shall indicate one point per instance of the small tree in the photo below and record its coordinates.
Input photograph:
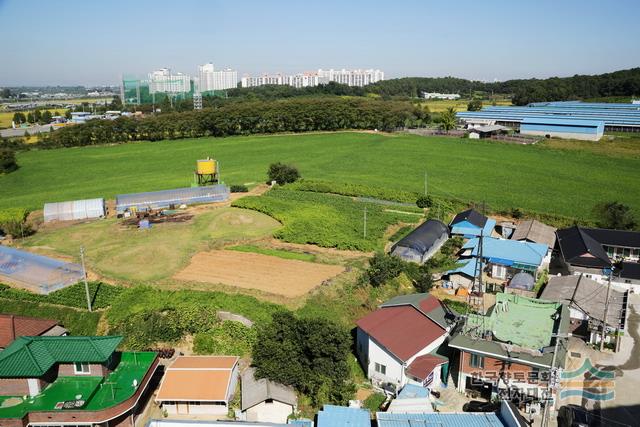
(37, 116)
(448, 119)
(19, 118)
(46, 117)
(474, 105)
(424, 282)
(424, 201)
(30, 117)
(67, 114)
(382, 268)
(615, 215)
(283, 174)
(8, 161)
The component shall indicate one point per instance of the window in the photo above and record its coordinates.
(381, 369)
(81, 368)
(626, 252)
(476, 361)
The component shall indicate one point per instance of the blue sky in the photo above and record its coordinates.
(93, 42)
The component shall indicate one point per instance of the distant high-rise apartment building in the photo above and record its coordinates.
(163, 81)
(295, 80)
(350, 77)
(210, 79)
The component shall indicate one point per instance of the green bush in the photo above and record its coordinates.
(382, 268)
(460, 307)
(374, 401)
(8, 161)
(355, 190)
(225, 338)
(282, 174)
(238, 188)
(78, 322)
(12, 221)
(424, 202)
(101, 295)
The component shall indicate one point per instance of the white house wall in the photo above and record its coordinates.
(274, 412)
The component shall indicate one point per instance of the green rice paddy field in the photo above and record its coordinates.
(543, 179)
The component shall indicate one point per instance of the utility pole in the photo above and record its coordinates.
(364, 231)
(552, 371)
(606, 310)
(425, 183)
(84, 276)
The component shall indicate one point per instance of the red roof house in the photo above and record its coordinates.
(12, 327)
(397, 342)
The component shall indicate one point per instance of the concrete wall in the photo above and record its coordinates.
(561, 134)
(272, 412)
(194, 408)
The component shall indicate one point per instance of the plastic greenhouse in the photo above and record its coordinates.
(78, 209)
(166, 198)
(37, 273)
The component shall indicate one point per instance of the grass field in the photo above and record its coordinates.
(136, 255)
(328, 220)
(545, 179)
(439, 105)
(273, 252)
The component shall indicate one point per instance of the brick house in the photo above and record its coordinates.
(511, 347)
(80, 380)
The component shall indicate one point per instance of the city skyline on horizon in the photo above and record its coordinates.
(485, 42)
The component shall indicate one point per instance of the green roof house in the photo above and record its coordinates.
(511, 348)
(68, 379)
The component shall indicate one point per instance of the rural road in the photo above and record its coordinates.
(8, 133)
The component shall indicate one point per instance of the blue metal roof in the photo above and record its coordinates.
(468, 267)
(509, 252)
(341, 416)
(452, 419)
(465, 228)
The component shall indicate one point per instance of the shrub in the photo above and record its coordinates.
(374, 401)
(8, 161)
(474, 105)
(283, 174)
(615, 215)
(460, 307)
(382, 268)
(238, 188)
(12, 221)
(424, 202)
(225, 338)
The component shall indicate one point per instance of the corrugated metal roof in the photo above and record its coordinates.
(341, 416)
(569, 121)
(439, 419)
(509, 250)
(33, 356)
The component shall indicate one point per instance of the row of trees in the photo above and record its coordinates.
(619, 83)
(36, 116)
(244, 118)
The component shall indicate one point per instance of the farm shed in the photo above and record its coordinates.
(78, 209)
(37, 273)
(266, 401)
(423, 242)
(199, 385)
(471, 223)
(588, 130)
(341, 416)
(166, 198)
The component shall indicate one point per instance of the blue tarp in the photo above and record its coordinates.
(411, 391)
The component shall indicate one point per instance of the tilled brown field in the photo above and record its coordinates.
(290, 278)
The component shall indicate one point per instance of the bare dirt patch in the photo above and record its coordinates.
(290, 278)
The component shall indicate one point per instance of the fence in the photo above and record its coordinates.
(37, 273)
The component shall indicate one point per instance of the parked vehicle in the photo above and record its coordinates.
(576, 416)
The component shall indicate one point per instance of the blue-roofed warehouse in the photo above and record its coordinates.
(341, 416)
(589, 130)
(615, 117)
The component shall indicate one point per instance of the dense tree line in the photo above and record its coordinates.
(619, 83)
(244, 118)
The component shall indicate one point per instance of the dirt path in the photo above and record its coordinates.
(289, 278)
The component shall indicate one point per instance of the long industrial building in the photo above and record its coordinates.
(572, 119)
